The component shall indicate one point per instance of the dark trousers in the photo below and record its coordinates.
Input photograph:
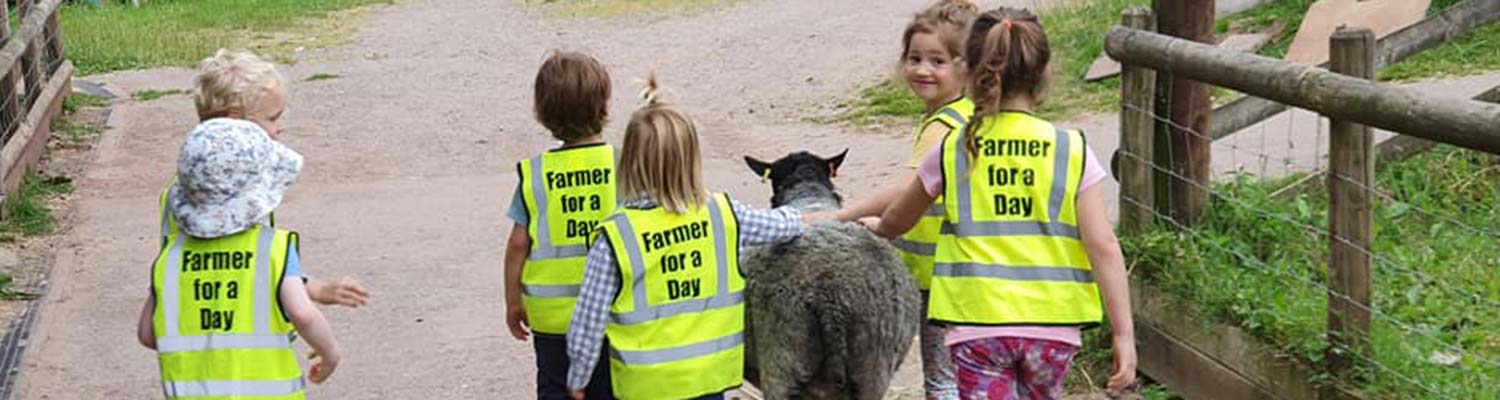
(552, 370)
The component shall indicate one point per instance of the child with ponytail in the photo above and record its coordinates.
(662, 282)
(1027, 254)
(932, 65)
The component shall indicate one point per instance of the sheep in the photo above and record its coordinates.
(832, 314)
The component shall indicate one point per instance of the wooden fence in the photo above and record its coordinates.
(1221, 362)
(37, 76)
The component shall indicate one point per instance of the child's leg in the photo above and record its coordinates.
(551, 367)
(1044, 368)
(986, 369)
(937, 366)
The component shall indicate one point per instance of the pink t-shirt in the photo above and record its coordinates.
(931, 174)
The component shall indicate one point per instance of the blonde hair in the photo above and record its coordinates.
(232, 82)
(947, 19)
(660, 161)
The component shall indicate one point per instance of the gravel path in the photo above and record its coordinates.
(410, 166)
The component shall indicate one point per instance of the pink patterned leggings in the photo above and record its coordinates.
(1009, 368)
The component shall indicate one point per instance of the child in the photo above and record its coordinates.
(663, 281)
(933, 69)
(237, 84)
(1030, 248)
(226, 300)
(562, 195)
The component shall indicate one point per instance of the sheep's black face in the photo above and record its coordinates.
(799, 176)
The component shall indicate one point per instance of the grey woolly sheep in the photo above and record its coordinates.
(830, 315)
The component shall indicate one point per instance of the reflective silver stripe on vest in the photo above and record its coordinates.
(166, 215)
(262, 291)
(957, 117)
(935, 210)
(550, 290)
(219, 342)
(678, 353)
(544, 249)
(921, 249)
(643, 313)
(1015, 273)
(966, 226)
(233, 388)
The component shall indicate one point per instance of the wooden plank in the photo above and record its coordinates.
(1192, 105)
(1137, 93)
(1467, 124)
(1456, 21)
(1262, 365)
(1186, 371)
(25, 148)
(33, 23)
(1350, 179)
(1323, 17)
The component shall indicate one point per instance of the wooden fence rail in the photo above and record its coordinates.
(1451, 23)
(35, 76)
(1183, 356)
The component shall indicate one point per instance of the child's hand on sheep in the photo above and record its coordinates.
(871, 223)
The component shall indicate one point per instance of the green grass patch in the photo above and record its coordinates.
(163, 33)
(1258, 262)
(28, 212)
(616, 8)
(1476, 52)
(321, 77)
(153, 94)
(1075, 31)
(79, 100)
(73, 132)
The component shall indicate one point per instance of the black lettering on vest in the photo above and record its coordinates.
(216, 260)
(1014, 147)
(675, 235)
(684, 289)
(580, 229)
(1013, 206)
(582, 177)
(1002, 176)
(216, 320)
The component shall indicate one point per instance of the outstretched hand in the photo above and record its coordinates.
(346, 292)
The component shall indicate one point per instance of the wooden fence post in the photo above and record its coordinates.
(1137, 95)
(1191, 109)
(1350, 179)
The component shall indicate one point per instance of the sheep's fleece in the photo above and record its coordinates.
(830, 315)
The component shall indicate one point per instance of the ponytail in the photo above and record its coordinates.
(1007, 54)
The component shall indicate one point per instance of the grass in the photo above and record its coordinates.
(74, 132)
(1435, 280)
(179, 33)
(617, 8)
(321, 77)
(153, 94)
(1075, 31)
(78, 100)
(28, 213)
(1477, 52)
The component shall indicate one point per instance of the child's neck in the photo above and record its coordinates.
(584, 141)
(1020, 102)
(935, 105)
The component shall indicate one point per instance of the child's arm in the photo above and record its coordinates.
(870, 206)
(904, 213)
(346, 292)
(1109, 271)
(516, 251)
(759, 227)
(311, 325)
(585, 338)
(145, 329)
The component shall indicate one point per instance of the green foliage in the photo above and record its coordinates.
(79, 100)
(1075, 32)
(153, 94)
(322, 77)
(181, 32)
(28, 212)
(1258, 262)
(1477, 52)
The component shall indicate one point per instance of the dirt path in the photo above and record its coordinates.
(410, 166)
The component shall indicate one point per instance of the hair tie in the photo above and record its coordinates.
(765, 175)
(1005, 23)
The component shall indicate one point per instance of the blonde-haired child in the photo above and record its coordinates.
(663, 282)
(932, 65)
(239, 85)
(544, 256)
(1031, 251)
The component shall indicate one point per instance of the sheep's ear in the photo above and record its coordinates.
(761, 169)
(835, 162)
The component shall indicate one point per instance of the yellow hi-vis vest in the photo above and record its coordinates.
(567, 191)
(1010, 253)
(919, 244)
(220, 329)
(677, 328)
(169, 224)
